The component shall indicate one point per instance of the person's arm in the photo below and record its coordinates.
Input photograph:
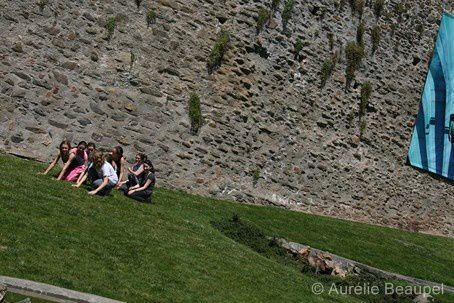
(104, 183)
(81, 179)
(52, 164)
(65, 168)
(85, 160)
(134, 187)
(138, 171)
(145, 186)
(82, 175)
(122, 171)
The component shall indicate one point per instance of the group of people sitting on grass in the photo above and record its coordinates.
(105, 171)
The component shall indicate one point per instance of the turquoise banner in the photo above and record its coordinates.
(433, 135)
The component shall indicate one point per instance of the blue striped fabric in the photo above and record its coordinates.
(431, 145)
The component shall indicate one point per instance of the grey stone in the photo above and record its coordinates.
(97, 137)
(94, 107)
(118, 117)
(35, 130)
(62, 78)
(18, 48)
(151, 91)
(94, 56)
(22, 76)
(69, 65)
(84, 121)
(18, 92)
(17, 138)
(57, 124)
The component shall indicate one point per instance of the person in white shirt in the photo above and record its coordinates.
(103, 175)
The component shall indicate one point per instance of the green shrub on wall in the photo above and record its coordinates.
(195, 113)
(359, 7)
(331, 40)
(275, 4)
(298, 48)
(151, 17)
(256, 176)
(42, 4)
(218, 51)
(354, 53)
(138, 2)
(366, 91)
(287, 13)
(375, 36)
(110, 27)
(360, 34)
(263, 18)
(327, 71)
(379, 6)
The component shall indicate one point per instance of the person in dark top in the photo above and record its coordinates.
(135, 172)
(91, 149)
(142, 191)
(76, 164)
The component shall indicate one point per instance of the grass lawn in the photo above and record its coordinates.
(169, 251)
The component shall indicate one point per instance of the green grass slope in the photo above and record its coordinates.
(168, 251)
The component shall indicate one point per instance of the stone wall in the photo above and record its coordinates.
(271, 134)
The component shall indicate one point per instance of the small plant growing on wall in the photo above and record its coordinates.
(42, 4)
(151, 17)
(132, 59)
(362, 128)
(400, 9)
(287, 13)
(366, 91)
(262, 19)
(420, 30)
(327, 71)
(110, 27)
(255, 176)
(275, 4)
(359, 7)
(138, 2)
(354, 53)
(379, 6)
(331, 40)
(218, 51)
(393, 29)
(350, 117)
(195, 113)
(375, 36)
(342, 4)
(360, 34)
(298, 48)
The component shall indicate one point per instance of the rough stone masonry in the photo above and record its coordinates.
(271, 134)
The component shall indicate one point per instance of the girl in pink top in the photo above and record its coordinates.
(76, 163)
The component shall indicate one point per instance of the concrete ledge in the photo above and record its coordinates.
(50, 292)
